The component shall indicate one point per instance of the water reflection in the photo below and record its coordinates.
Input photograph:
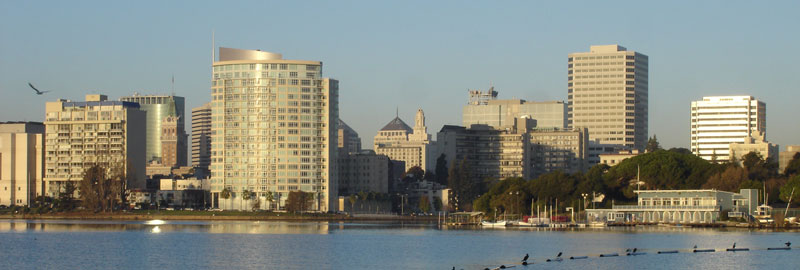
(163, 226)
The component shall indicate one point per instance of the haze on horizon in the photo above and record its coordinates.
(407, 55)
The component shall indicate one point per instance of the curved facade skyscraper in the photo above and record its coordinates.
(159, 107)
(273, 125)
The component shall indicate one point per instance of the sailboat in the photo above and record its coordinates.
(763, 212)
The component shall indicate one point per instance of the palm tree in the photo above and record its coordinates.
(246, 196)
(270, 198)
(226, 194)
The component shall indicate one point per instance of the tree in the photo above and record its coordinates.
(424, 204)
(226, 194)
(66, 196)
(758, 168)
(270, 198)
(465, 188)
(441, 169)
(652, 145)
(416, 172)
(256, 204)
(793, 167)
(786, 190)
(246, 196)
(353, 199)
(299, 201)
(729, 180)
(101, 188)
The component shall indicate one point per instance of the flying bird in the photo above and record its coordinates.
(526, 258)
(37, 90)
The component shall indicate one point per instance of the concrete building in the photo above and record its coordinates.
(552, 149)
(608, 94)
(21, 162)
(201, 136)
(273, 126)
(173, 149)
(755, 144)
(399, 142)
(518, 151)
(96, 131)
(364, 171)
(717, 122)
(680, 206)
(612, 159)
(159, 107)
(484, 108)
(786, 156)
(348, 139)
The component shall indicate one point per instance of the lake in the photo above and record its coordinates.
(73, 244)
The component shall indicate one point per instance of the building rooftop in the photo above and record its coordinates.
(397, 124)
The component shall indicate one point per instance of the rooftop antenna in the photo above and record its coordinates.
(173, 84)
(397, 112)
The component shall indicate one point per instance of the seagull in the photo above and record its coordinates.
(634, 250)
(525, 259)
(788, 244)
(695, 246)
(734, 244)
(37, 90)
(627, 250)
(559, 255)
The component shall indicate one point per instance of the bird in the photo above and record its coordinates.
(788, 244)
(634, 250)
(734, 244)
(37, 90)
(627, 250)
(559, 255)
(695, 246)
(525, 259)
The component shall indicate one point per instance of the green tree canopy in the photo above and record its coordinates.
(299, 201)
(786, 190)
(793, 167)
(652, 144)
(729, 180)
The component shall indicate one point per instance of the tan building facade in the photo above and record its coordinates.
(484, 108)
(786, 156)
(79, 135)
(755, 144)
(201, 136)
(719, 121)
(608, 94)
(273, 129)
(612, 159)
(400, 142)
(21, 162)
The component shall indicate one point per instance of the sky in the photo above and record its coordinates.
(405, 55)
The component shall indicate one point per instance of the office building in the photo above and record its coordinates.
(613, 159)
(719, 121)
(349, 142)
(755, 144)
(201, 136)
(172, 147)
(159, 107)
(21, 162)
(608, 94)
(364, 171)
(399, 142)
(484, 108)
(273, 129)
(81, 134)
(518, 151)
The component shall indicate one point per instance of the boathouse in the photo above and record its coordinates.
(680, 206)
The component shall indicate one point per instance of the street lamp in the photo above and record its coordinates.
(584, 195)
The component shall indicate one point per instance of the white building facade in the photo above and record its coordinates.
(719, 121)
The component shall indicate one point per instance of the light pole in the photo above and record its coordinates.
(584, 195)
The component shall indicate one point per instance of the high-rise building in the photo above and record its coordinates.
(755, 144)
(364, 171)
(399, 142)
(519, 150)
(201, 136)
(484, 108)
(81, 134)
(273, 129)
(159, 107)
(349, 142)
(170, 143)
(607, 93)
(21, 162)
(716, 122)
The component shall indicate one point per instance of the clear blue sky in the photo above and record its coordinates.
(408, 54)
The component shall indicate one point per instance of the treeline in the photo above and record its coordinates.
(670, 169)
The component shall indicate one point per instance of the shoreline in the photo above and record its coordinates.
(213, 217)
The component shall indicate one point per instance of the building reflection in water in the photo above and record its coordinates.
(162, 226)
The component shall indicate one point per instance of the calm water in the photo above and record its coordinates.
(322, 245)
